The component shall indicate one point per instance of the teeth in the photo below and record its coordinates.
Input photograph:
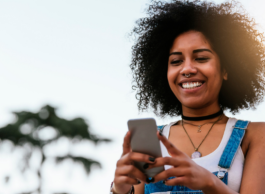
(190, 85)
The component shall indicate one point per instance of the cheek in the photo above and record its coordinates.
(215, 78)
(212, 71)
(172, 74)
(217, 75)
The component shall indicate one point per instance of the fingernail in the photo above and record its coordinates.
(152, 180)
(138, 182)
(160, 133)
(152, 159)
(146, 165)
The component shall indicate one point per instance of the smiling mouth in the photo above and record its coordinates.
(191, 85)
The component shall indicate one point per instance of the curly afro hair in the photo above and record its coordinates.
(232, 35)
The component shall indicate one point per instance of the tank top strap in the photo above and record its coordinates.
(233, 144)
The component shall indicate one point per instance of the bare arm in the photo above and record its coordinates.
(254, 168)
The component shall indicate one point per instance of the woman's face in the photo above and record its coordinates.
(191, 54)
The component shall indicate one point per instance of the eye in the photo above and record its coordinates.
(202, 60)
(176, 62)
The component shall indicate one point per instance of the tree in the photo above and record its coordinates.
(25, 132)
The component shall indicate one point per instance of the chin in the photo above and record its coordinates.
(193, 104)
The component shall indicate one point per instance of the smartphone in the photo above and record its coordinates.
(144, 140)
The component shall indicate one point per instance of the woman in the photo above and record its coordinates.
(196, 59)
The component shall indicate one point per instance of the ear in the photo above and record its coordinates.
(225, 76)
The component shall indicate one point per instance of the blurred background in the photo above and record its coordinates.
(73, 56)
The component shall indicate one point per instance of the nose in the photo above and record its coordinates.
(188, 68)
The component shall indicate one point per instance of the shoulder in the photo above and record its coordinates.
(253, 173)
(255, 136)
(256, 130)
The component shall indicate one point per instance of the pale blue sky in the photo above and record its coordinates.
(75, 55)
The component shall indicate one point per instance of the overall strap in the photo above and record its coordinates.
(233, 144)
(161, 128)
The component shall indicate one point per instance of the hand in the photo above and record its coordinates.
(185, 171)
(126, 173)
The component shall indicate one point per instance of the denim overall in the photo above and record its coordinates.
(225, 162)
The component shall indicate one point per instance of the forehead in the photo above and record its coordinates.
(190, 40)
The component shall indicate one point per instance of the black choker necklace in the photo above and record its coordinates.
(203, 117)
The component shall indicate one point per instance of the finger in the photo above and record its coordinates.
(126, 143)
(131, 171)
(172, 172)
(172, 150)
(181, 180)
(165, 161)
(134, 156)
(126, 180)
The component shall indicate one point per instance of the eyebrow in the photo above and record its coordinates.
(201, 50)
(195, 51)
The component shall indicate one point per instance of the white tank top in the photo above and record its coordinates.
(210, 161)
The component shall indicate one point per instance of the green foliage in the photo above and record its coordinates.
(76, 128)
(26, 130)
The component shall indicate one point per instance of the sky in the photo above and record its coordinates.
(75, 55)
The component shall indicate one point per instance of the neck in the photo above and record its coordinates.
(201, 112)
